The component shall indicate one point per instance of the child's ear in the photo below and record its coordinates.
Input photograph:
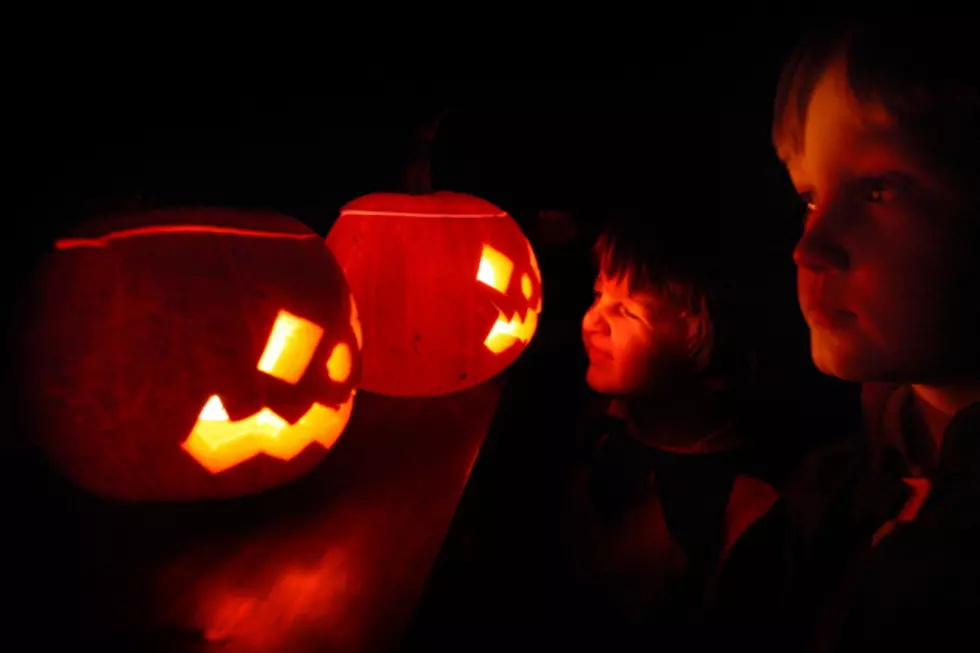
(699, 333)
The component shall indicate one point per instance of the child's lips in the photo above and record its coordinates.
(828, 316)
(596, 354)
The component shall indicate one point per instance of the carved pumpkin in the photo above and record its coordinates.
(190, 354)
(448, 287)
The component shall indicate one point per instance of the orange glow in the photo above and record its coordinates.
(534, 262)
(495, 269)
(339, 363)
(269, 617)
(71, 243)
(506, 333)
(355, 323)
(526, 286)
(237, 617)
(290, 348)
(219, 444)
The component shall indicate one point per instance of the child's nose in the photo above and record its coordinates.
(594, 322)
(819, 248)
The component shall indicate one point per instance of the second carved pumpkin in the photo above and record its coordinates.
(448, 287)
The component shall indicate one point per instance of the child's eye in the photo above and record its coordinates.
(879, 191)
(630, 314)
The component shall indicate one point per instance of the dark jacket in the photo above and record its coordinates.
(859, 552)
(646, 531)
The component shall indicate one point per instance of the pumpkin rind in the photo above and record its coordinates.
(413, 262)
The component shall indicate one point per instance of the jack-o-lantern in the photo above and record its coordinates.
(190, 354)
(448, 287)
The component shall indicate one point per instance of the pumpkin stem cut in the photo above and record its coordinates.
(417, 179)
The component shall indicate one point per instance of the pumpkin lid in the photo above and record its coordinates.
(441, 204)
(100, 231)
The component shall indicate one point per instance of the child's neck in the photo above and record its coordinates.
(937, 405)
(674, 420)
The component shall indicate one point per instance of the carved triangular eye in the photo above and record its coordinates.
(214, 411)
(495, 269)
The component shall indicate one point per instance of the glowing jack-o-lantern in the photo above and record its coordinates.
(187, 354)
(448, 287)
(219, 443)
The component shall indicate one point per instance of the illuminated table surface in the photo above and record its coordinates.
(336, 561)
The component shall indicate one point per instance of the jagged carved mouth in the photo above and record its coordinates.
(217, 443)
(505, 333)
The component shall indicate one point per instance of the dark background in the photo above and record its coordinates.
(567, 130)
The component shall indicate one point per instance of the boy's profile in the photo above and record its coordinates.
(878, 126)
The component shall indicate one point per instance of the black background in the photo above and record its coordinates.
(576, 127)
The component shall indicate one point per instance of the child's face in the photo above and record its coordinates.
(881, 253)
(632, 340)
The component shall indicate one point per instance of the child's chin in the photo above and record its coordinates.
(600, 383)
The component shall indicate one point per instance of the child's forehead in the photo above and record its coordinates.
(843, 134)
(829, 107)
(623, 286)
